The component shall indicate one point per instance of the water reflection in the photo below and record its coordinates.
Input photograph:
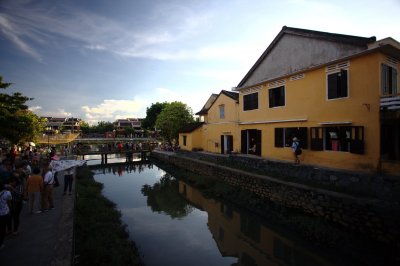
(163, 196)
(244, 236)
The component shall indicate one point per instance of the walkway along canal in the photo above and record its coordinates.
(177, 217)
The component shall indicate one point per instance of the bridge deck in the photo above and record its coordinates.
(109, 152)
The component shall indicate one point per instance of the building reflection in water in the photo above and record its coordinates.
(243, 235)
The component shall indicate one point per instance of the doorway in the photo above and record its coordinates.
(226, 144)
(251, 141)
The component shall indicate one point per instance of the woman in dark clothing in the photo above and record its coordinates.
(17, 191)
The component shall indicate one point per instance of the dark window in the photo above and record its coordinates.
(226, 211)
(389, 80)
(184, 140)
(279, 137)
(337, 85)
(246, 260)
(250, 227)
(317, 139)
(250, 101)
(338, 138)
(357, 140)
(284, 136)
(277, 97)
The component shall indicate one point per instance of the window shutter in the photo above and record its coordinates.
(244, 141)
(316, 138)
(357, 141)
(271, 98)
(384, 74)
(230, 144)
(303, 136)
(278, 137)
(222, 144)
(332, 86)
(343, 91)
(258, 141)
(394, 81)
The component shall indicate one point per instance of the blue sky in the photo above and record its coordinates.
(101, 60)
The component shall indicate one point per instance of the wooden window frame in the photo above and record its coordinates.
(250, 104)
(388, 80)
(357, 139)
(284, 139)
(334, 87)
(221, 111)
(274, 94)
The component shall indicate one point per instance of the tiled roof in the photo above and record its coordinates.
(191, 127)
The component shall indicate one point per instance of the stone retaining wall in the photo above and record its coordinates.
(375, 217)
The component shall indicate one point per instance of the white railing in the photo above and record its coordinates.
(391, 102)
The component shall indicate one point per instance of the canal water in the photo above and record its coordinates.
(173, 223)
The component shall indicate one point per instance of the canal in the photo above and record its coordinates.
(174, 223)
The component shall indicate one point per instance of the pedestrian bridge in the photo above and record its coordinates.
(143, 153)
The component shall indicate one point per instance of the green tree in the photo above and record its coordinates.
(85, 127)
(129, 131)
(172, 118)
(103, 127)
(151, 114)
(17, 123)
(164, 196)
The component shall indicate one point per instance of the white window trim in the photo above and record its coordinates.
(219, 108)
(280, 106)
(389, 63)
(258, 101)
(348, 85)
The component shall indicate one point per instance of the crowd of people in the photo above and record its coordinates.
(26, 180)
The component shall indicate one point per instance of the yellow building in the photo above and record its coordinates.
(336, 93)
(219, 133)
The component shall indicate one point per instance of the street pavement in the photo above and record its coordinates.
(45, 238)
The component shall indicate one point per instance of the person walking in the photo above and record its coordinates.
(296, 150)
(34, 187)
(17, 193)
(68, 179)
(5, 198)
(47, 197)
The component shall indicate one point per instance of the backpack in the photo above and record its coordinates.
(298, 150)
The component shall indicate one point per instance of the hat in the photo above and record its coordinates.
(295, 139)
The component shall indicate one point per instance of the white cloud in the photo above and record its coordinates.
(16, 37)
(41, 24)
(110, 110)
(35, 108)
(53, 113)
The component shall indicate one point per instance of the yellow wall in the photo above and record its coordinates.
(216, 126)
(306, 99)
(193, 140)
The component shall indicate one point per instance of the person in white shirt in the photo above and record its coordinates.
(68, 178)
(5, 198)
(48, 182)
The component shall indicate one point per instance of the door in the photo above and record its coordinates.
(251, 141)
(226, 144)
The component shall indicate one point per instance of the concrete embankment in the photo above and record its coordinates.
(367, 214)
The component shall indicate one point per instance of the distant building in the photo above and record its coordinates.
(129, 126)
(72, 125)
(62, 125)
(54, 124)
